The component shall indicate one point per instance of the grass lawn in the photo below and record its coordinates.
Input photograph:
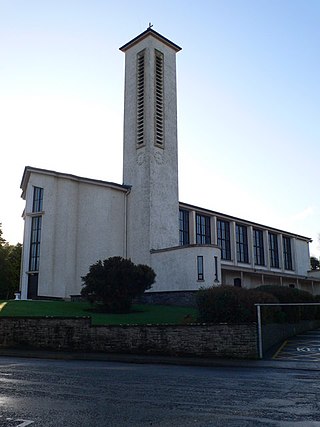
(141, 314)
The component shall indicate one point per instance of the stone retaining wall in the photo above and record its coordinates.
(77, 334)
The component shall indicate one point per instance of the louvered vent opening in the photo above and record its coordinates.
(140, 98)
(159, 114)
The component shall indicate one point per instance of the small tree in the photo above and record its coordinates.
(10, 257)
(314, 263)
(115, 282)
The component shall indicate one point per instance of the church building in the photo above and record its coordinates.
(73, 221)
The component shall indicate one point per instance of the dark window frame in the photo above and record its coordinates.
(216, 276)
(258, 247)
(287, 253)
(242, 243)
(274, 250)
(200, 268)
(237, 282)
(37, 202)
(223, 239)
(184, 235)
(34, 258)
(203, 230)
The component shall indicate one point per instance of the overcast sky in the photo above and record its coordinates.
(248, 100)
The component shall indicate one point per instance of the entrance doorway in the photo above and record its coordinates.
(32, 286)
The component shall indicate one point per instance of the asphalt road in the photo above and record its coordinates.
(303, 347)
(55, 393)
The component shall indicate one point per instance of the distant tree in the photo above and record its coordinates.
(10, 259)
(314, 263)
(2, 240)
(115, 282)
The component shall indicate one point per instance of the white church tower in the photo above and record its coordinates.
(150, 159)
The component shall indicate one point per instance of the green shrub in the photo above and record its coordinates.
(115, 282)
(292, 295)
(228, 304)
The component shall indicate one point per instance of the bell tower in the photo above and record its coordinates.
(150, 155)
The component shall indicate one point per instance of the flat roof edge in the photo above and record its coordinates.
(231, 217)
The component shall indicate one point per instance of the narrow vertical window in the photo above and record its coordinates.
(203, 233)
(287, 253)
(36, 223)
(159, 104)
(242, 243)
(184, 227)
(258, 247)
(140, 97)
(223, 234)
(37, 199)
(216, 275)
(35, 243)
(273, 250)
(200, 267)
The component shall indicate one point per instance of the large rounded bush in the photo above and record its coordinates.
(115, 282)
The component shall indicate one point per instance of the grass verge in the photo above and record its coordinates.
(141, 314)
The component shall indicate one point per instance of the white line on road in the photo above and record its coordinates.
(22, 423)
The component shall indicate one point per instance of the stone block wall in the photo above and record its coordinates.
(77, 334)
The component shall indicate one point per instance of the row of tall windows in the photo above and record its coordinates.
(203, 236)
(36, 224)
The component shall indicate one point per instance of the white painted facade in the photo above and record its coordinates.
(80, 220)
(79, 225)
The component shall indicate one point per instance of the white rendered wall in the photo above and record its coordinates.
(153, 209)
(176, 268)
(301, 257)
(81, 223)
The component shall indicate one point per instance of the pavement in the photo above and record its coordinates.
(166, 360)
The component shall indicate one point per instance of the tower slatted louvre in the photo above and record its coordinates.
(159, 133)
(140, 98)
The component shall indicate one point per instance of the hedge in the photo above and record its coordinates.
(229, 304)
(292, 295)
